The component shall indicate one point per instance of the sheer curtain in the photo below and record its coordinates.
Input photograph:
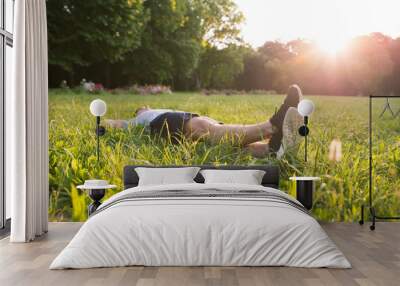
(27, 120)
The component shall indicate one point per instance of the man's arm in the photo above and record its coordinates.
(116, 123)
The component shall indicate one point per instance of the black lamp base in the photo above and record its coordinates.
(304, 192)
(96, 195)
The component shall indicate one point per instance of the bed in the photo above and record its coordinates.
(198, 224)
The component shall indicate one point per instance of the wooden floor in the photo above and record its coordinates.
(375, 257)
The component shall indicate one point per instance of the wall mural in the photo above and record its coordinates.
(192, 57)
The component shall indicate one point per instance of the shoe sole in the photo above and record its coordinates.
(290, 130)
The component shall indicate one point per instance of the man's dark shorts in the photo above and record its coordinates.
(171, 124)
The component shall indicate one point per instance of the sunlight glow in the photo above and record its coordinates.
(330, 23)
(332, 45)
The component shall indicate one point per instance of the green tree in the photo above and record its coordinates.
(253, 76)
(219, 67)
(369, 64)
(176, 35)
(81, 33)
(220, 21)
(393, 81)
(276, 57)
(170, 43)
(120, 42)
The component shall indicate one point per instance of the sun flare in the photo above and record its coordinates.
(308, 19)
(332, 45)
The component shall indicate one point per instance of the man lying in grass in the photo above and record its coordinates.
(280, 130)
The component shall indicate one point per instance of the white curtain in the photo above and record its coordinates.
(27, 124)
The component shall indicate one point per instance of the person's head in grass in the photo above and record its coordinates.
(142, 109)
(121, 123)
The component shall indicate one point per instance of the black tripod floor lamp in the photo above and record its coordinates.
(305, 108)
(98, 108)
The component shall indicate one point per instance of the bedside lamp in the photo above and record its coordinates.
(98, 108)
(305, 108)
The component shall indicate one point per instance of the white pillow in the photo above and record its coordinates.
(166, 176)
(248, 177)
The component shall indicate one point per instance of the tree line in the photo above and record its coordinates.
(196, 44)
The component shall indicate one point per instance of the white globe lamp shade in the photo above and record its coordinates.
(98, 107)
(305, 107)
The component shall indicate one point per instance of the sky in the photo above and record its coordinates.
(329, 23)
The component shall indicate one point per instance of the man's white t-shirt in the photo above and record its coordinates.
(146, 117)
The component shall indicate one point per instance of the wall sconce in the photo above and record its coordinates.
(98, 108)
(305, 108)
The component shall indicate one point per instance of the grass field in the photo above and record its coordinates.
(338, 197)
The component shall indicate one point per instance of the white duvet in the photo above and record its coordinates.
(200, 231)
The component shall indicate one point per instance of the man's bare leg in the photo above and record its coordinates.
(199, 127)
(259, 149)
(204, 127)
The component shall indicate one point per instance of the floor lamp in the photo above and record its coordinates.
(305, 108)
(97, 188)
(98, 108)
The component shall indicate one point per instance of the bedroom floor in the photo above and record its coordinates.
(375, 257)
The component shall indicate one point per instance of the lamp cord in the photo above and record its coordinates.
(305, 137)
(305, 148)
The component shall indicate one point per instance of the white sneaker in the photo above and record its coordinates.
(290, 130)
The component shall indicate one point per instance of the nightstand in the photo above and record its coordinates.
(304, 190)
(96, 193)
